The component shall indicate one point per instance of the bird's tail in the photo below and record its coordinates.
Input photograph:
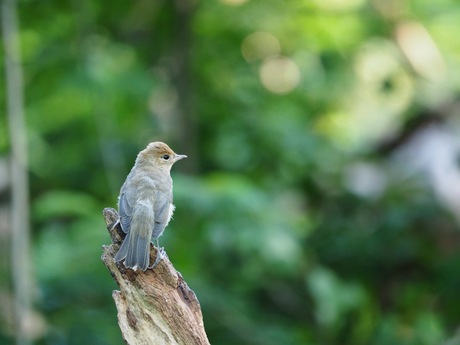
(135, 250)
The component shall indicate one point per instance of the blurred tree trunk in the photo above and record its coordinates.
(155, 306)
(20, 237)
(181, 77)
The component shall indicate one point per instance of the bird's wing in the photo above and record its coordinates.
(137, 217)
(126, 204)
(135, 248)
(162, 213)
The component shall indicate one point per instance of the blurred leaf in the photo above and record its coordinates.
(63, 204)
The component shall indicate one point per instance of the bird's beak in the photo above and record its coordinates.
(179, 157)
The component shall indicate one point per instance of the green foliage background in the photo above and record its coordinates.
(293, 225)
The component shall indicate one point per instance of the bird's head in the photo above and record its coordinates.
(160, 155)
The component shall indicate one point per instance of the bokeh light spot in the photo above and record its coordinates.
(233, 2)
(338, 5)
(260, 45)
(280, 74)
(421, 50)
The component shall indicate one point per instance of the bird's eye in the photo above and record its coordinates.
(165, 157)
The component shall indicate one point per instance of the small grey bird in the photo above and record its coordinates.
(145, 205)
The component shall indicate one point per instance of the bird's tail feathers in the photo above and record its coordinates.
(135, 250)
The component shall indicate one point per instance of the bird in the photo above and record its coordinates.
(145, 205)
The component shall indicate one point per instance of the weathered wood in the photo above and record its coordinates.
(155, 306)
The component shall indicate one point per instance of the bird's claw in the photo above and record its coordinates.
(115, 224)
(160, 255)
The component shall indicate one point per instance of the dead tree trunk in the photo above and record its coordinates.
(155, 306)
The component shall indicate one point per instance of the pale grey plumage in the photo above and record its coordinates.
(145, 204)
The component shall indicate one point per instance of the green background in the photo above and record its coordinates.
(319, 202)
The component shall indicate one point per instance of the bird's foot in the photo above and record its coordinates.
(115, 224)
(160, 255)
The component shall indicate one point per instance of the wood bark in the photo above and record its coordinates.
(155, 306)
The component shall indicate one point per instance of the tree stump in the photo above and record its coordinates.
(155, 306)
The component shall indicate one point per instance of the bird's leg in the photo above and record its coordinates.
(160, 255)
(115, 224)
